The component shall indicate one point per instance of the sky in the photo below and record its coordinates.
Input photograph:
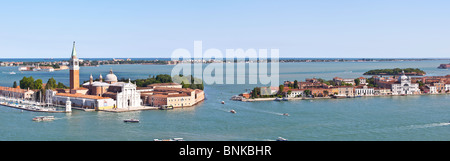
(148, 29)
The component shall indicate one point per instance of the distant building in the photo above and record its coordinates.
(345, 91)
(339, 81)
(295, 93)
(364, 90)
(404, 86)
(97, 95)
(17, 93)
(444, 66)
(382, 91)
(172, 96)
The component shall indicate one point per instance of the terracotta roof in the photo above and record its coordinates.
(178, 95)
(163, 84)
(13, 89)
(173, 89)
(78, 95)
(159, 95)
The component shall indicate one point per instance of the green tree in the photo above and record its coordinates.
(295, 84)
(27, 82)
(14, 84)
(37, 84)
(51, 83)
(307, 92)
(280, 89)
(357, 81)
(61, 85)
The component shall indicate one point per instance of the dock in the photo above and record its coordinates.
(29, 109)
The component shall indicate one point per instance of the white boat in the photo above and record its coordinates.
(233, 111)
(44, 118)
(131, 120)
(174, 139)
(12, 72)
(281, 139)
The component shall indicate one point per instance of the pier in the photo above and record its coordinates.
(29, 105)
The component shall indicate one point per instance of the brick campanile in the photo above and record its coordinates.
(74, 70)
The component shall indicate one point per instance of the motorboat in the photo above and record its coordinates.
(12, 72)
(131, 120)
(281, 139)
(285, 114)
(223, 102)
(44, 118)
(233, 111)
(174, 139)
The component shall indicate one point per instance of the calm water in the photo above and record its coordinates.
(372, 118)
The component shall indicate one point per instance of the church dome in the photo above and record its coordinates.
(111, 77)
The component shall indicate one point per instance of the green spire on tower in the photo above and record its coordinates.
(74, 52)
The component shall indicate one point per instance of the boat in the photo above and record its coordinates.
(233, 111)
(174, 139)
(285, 114)
(12, 72)
(165, 107)
(44, 118)
(131, 120)
(223, 102)
(281, 139)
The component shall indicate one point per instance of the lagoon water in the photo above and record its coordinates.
(366, 118)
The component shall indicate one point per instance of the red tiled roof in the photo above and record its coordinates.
(78, 95)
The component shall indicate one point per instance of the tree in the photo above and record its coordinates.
(61, 85)
(51, 83)
(295, 84)
(280, 89)
(37, 84)
(307, 92)
(14, 84)
(357, 81)
(27, 82)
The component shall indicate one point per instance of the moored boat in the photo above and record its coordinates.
(131, 120)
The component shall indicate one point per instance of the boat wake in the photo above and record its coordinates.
(428, 125)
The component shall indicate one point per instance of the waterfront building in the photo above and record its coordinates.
(83, 101)
(364, 90)
(447, 88)
(306, 85)
(444, 66)
(382, 91)
(440, 87)
(97, 95)
(345, 91)
(16, 93)
(175, 97)
(295, 93)
(319, 92)
(404, 86)
(339, 81)
(362, 81)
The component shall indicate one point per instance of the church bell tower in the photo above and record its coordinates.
(74, 69)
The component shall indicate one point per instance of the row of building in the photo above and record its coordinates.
(388, 85)
(109, 93)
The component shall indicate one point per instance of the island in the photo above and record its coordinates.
(396, 71)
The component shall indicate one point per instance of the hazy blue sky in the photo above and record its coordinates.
(315, 28)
